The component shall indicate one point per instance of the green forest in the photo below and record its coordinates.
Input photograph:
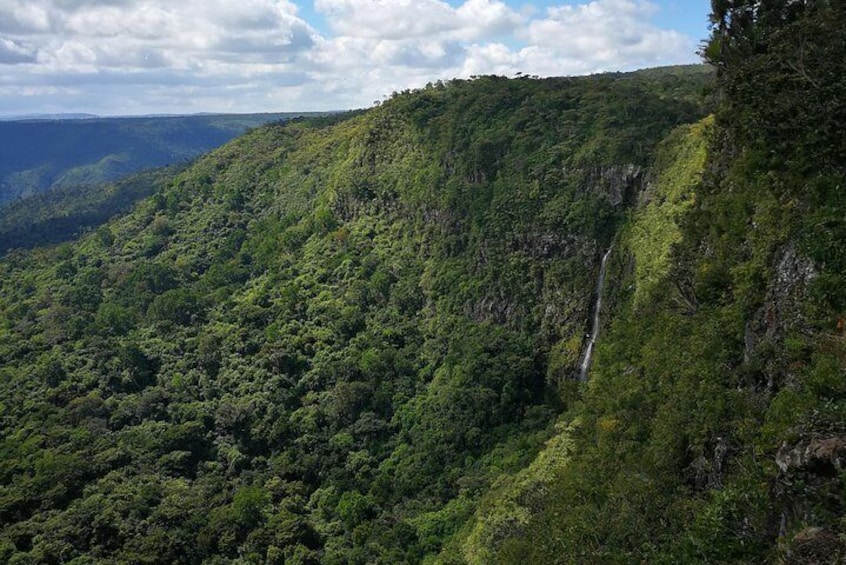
(356, 338)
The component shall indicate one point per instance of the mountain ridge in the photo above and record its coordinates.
(329, 336)
(356, 339)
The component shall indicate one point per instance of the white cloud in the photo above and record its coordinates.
(382, 44)
(131, 34)
(387, 19)
(491, 58)
(486, 18)
(19, 16)
(13, 52)
(605, 33)
(414, 19)
(257, 55)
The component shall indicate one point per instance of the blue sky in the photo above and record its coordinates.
(687, 16)
(156, 56)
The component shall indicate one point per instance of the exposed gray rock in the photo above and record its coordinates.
(545, 245)
(620, 184)
(815, 546)
(819, 456)
(782, 307)
(706, 471)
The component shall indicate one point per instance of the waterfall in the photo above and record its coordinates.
(594, 331)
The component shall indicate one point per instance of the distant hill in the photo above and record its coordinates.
(18, 118)
(64, 213)
(42, 154)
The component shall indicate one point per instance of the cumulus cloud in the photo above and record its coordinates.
(606, 33)
(126, 56)
(194, 30)
(409, 19)
(491, 58)
(13, 53)
(383, 43)
(24, 17)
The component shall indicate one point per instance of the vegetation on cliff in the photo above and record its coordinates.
(713, 426)
(355, 339)
(326, 340)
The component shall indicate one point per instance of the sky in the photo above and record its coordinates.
(128, 57)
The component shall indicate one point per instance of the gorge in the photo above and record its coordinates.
(355, 338)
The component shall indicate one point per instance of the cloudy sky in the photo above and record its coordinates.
(183, 56)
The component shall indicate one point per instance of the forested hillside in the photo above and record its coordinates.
(713, 428)
(326, 341)
(357, 339)
(41, 154)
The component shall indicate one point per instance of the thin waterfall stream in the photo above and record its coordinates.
(594, 331)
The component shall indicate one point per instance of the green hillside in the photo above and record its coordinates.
(357, 339)
(325, 340)
(713, 429)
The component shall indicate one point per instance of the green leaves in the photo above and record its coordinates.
(326, 340)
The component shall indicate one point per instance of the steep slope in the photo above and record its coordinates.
(39, 155)
(713, 429)
(324, 341)
(532, 503)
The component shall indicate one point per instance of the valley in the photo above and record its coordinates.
(591, 319)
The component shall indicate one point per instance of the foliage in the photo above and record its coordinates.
(668, 197)
(715, 384)
(325, 341)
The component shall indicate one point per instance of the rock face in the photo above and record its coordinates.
(794, 274)
(706, 471)
(815, 546)
(819, 456)
(814, 465)
(780, 311)
(620, 184)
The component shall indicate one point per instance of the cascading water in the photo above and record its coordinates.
(583, 371)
